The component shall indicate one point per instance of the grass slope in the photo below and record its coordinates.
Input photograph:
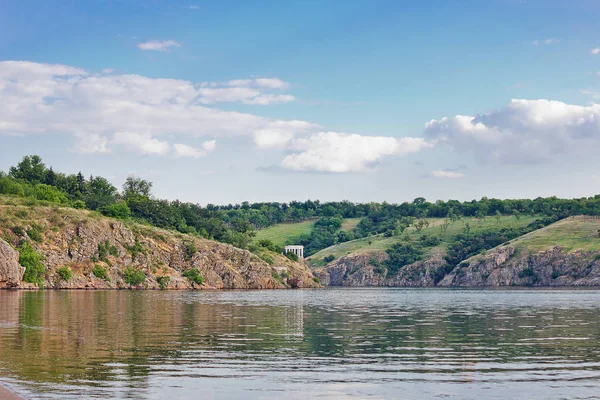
(379, 243)
(573, 233)
(280, 234)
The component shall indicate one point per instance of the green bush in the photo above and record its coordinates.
(119, 210)
(78, 204)
(65, 273)
(100, 273)
(35, 233)
(135, 249)
(17, 230)
(163, 281)
(133, 277)
(329, 258)
(316, 279)
(105, 248)
(193, 274)
(189, 250)
(49, 193)
(34, 270)
(291, 256)
(402, 254)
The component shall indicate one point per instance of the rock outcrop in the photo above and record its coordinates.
(84, 242)
(11, 273)
(503, 266)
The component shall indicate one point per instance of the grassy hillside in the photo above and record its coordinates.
(281, 234)
(379, 243)
(573, 233)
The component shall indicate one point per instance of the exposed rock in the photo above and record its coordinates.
(11, 273)
(503, 266)
(73, 238)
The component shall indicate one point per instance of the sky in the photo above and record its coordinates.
(380, 100)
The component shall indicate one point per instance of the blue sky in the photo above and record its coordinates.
(225, 101)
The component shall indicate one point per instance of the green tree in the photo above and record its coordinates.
(30, 169)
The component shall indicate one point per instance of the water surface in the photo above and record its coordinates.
(325, 344)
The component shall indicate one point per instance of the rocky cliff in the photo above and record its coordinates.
(503, 266)
(85, 242)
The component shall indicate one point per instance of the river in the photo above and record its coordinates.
(298, 344)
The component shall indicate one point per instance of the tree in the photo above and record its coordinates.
(136, 187)
(30, 169)
(498, 216)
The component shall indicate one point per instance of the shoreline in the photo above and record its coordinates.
(7, 394)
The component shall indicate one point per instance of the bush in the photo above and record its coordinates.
(78, 204)
(49, 193)
(17, 230)
(119, 210)
(429, 241)
(316, 279)
(65, 273)
(35, 233)
(135, 249)
(291, 256)
(189, 250)
(105, 248)
(34, 270)
(402, 254)
(193, 274)
(100, 273)
(133, 277)
(329, 258)
(163, 281)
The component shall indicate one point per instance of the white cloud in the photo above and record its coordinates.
(544, 41)
(267, 83)
(58, 99)
(158, 45)
(141, 143)
(447, 174)
(183, 150)
(595, 51)
(343, 152)
(524, 131)
(194, 7)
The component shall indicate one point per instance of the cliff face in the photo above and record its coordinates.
(82, 241)
(503, 266)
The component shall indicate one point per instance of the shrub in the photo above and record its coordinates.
(105, 248)
(193, 274)
(189, 250)
(35, 233)
(100, 273)
(135, 249)
(34, 270)
(276, 276)
(133, 277)
(163, 281)
(65, 273)
(119, 210)
(429, 241)
(78, 204)
(267, 244)
(329, 258)
(291, 256)
(316, 279)
(17, 230)
(402, 254)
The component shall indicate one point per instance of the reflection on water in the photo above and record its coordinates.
(334, 343)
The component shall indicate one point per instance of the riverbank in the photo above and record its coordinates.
(6, 394)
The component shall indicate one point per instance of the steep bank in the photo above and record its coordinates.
(88, 244)
(566, 253)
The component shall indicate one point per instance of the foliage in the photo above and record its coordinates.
(189, 250)
(35, 232)
(316, 279)
(163, 281)
(133, 277)
(291, 256)
(64, 273)
(429, 241)
(34, 270)
(100, 273)
(119, 210)
(401, 254)
(193, 274)
(329, 258)
(105, 248)
(135, 249)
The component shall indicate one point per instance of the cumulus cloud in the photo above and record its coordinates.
(268, 83)
(183, 150)
(447, 174)
(344, 152)
(158, 45)
(141, 143)
(103, 110)
(524, 131)
(595, 51)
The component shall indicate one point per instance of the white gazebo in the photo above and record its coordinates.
(297, 250)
